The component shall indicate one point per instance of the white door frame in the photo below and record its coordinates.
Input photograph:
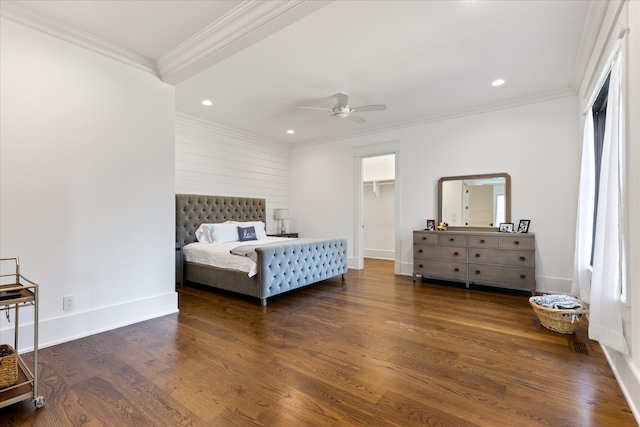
(359, 153)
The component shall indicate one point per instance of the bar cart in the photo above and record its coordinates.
(17, 292)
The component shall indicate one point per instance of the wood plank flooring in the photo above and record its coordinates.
(376, 350)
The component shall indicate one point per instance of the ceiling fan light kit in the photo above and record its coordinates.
(342, 112)
(342, 109)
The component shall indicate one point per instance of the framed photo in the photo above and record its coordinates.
(524, 226)
(506, 227)
(431, 224)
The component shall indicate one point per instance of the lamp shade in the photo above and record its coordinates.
(281, 213)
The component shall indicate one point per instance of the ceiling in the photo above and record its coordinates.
(258, 61)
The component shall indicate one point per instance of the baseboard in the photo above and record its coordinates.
(379, 254)
(84, 323)
(628, 376)
(406, 268)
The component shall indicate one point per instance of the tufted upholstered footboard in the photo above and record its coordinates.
(285, 267)
(281, 268)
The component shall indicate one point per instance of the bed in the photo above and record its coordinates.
(280, 266)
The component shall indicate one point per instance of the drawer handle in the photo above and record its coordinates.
(419, 251)
(477, 255)
(522, 276)
(424, 237)
(456, 269)
(477, 271)
(522, 258)
(456, 254)
(452, 239)
(516, 243)
(420, 266)
(481, 240)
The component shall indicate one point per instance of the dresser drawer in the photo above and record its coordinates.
(443, 253)
(441, 269)
(423, 237)
(503, 257)
(478, 241)
(517, 242)
(450, 239)
(500, 275)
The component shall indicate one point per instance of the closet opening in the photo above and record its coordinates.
(378, 207)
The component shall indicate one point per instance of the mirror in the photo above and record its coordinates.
(474, 201)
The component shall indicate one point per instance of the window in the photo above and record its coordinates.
(599, 118)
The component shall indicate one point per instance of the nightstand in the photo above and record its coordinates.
(179, 247)
(284, 235)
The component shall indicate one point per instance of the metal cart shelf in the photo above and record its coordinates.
(17, 292)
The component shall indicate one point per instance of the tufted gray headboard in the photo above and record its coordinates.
(193, 210)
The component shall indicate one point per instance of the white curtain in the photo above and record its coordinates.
(605, 319)
(581, 285)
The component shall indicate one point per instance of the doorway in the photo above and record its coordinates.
(360, 154)
(378, 207)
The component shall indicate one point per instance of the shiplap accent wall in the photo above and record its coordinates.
(217, 160)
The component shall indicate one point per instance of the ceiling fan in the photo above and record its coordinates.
(343, 110)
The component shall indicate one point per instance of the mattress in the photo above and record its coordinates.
(218, 254)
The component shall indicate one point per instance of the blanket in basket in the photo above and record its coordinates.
(559, 302)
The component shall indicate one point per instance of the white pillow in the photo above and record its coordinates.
(224, 233)
(204, 233)
(259, 226)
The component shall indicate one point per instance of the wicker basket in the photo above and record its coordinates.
(563, 321)
(8, 366)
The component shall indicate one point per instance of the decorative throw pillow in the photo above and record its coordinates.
(259, 226)
(247, 233)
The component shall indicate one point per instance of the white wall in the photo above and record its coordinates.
(212, 159)
(621, 15)
(535, 144)
(87, 185)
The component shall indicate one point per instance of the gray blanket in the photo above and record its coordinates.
(559, 302)
(250, 250)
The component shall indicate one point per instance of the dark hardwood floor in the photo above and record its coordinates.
(376, 350)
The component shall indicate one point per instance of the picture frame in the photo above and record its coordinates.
(431, 225)
(523, 227)
(506, 227)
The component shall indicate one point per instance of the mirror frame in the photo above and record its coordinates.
(507, 198)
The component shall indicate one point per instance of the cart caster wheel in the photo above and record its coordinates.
(39, 401)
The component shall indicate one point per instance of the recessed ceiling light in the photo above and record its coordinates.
(291, 131)
(207, 102)
(498, 82)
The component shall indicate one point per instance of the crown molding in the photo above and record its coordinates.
(245, 25)
(27, 17)
(472, 111)
(592, 27)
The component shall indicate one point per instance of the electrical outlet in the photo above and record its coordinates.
(69, 302)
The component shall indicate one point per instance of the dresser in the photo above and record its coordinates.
(484, 258)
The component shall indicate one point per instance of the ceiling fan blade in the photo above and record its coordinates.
(370, 108)
(357, 119)
(342, 99)
(316, 108)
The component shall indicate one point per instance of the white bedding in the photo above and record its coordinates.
(217, 254)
